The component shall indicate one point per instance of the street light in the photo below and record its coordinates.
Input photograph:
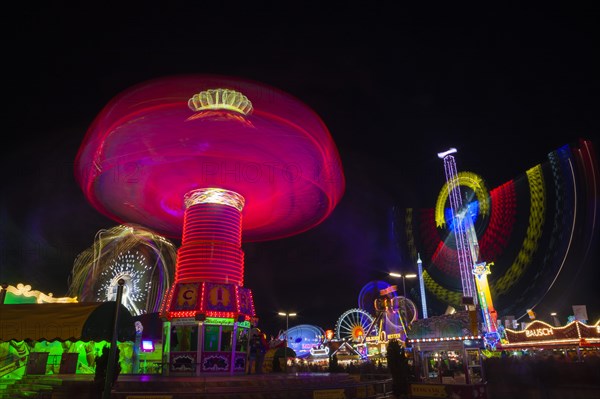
(287, 319)
(403, 277)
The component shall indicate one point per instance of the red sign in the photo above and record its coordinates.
(388, 290)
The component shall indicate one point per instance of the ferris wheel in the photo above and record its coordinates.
(141, 258)
(133, 269)
(353, 325)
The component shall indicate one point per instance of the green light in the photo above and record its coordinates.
(223, 321)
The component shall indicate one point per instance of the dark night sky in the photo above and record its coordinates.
(394, 86)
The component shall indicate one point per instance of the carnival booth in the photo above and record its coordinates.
(206, 328)
(40, 334)
(571, 339)
(447, 349)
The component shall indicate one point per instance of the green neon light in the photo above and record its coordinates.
(225, 321)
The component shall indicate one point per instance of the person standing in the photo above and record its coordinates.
(253, 354)
(261, 350)
(102, 369)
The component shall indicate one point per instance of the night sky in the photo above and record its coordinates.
(395, 86)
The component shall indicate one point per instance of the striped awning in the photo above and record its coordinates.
(65, 322)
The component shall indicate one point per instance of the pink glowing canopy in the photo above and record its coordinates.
(148, 147)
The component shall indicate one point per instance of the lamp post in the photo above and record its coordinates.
(287, 319)
(112, 356)
(403, 277)
(3, 293)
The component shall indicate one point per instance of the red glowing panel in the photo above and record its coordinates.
(147, 148)
(502, 220)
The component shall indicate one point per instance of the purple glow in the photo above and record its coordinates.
(147, 346)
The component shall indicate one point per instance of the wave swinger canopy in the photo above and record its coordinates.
(157, 141)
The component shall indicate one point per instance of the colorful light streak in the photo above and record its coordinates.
(465, 257)
(547, 217)
(467, 246)
(147, 149)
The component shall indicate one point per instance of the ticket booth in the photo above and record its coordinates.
(447, 349)
(206, 329)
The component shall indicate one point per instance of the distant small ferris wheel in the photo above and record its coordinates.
(353, 324)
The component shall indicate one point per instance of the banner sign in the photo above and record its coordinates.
(539, 331)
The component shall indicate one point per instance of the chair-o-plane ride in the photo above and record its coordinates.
(190, 157)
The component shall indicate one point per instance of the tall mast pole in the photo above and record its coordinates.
(465, 259)
(422, 285)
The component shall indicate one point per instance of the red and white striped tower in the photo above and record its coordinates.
(212, 236)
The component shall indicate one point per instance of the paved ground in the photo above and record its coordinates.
(263, 386)
(226, 386)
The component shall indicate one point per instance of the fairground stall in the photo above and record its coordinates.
(40, 334)
(207, 329)
(376, 346)
(447, 349)
(573, 340)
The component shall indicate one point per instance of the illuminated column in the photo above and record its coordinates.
(212, 234)
(422, 286)
(490, 315)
